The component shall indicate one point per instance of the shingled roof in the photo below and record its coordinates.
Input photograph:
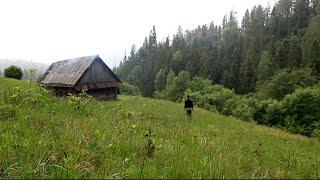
(67, 72)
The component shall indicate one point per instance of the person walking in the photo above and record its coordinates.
(188, 106)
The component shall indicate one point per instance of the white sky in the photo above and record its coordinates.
(46, 31)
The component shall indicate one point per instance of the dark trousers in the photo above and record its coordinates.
(189, 111)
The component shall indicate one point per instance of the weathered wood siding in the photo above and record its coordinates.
(104, 94)
(62, 91)
(96, 73)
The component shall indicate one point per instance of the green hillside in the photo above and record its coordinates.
(45, 137)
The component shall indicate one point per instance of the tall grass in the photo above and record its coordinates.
(50, 138)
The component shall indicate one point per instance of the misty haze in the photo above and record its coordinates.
(160, 89)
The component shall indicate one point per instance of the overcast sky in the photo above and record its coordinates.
(47, 31)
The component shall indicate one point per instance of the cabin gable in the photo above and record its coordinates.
(97, 73)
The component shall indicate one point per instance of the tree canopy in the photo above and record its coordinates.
(239, 56)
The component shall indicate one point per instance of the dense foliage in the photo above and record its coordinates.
(240, 57)
(258, 70)
(285, 82)
(13, 72)
(129, 89)
(297, 112)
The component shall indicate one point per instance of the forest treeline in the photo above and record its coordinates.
(240, 56)
(265, 69)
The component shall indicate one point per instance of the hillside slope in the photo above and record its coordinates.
(68, 138)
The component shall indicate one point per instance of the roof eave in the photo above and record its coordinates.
(56, 85)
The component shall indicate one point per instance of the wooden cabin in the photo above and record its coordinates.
(88, 73)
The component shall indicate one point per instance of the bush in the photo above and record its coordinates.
(199, 84)
(13, 72)
(218, 96)
(230, 105)
(275, 114)
(158, 95)
(316, 133)
(210, 97)
(260, 113)
(298, 112)
(199, 99)
(285, 82)
(196, 89)
(245, 109)
(302, 110)
(180, 84)
(129, 89)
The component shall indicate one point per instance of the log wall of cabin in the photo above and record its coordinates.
(62, 91)
(104, 94)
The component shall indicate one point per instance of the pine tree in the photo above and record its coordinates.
(246, 21)
(160, 81)
(315, 57)
(264, 70)
(286, 38)
(170, 78)
(301, 13)
(152, 46)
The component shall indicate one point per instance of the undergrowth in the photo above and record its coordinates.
(42, 136)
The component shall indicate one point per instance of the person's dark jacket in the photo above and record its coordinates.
(188, 103)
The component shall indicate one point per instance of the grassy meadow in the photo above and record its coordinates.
(45, 137)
